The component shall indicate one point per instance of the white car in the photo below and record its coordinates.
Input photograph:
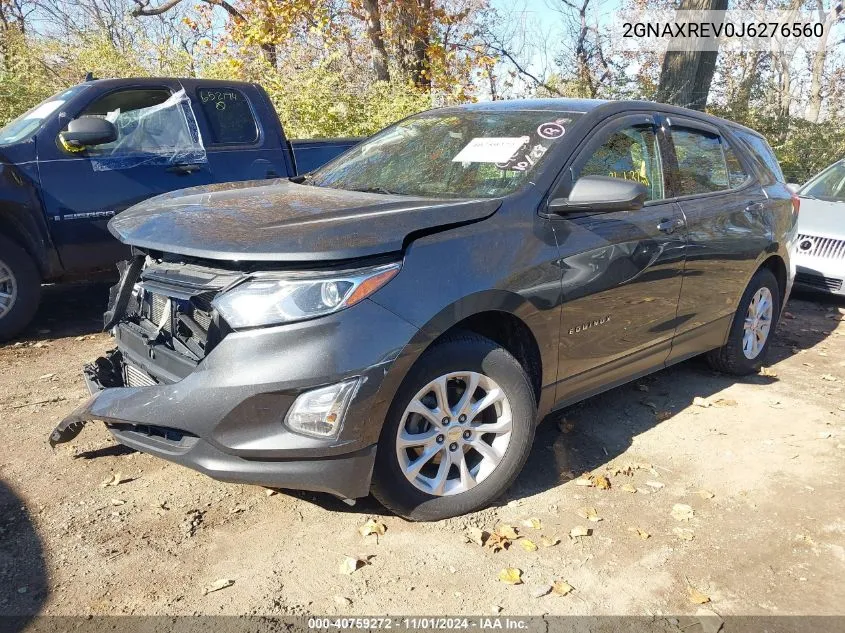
(820, 249)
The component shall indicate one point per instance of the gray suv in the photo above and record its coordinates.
(398, 321)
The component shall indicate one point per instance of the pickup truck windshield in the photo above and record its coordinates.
(31, 121)
(450, 154)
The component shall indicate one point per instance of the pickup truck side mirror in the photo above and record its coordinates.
(87, 131)
(596, 194)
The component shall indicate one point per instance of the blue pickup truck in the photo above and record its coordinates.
(85, 154)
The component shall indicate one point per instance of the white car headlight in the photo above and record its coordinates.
(275, 298)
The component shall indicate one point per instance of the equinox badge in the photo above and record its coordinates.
(586, 326)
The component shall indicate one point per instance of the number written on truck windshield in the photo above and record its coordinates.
(229, 117)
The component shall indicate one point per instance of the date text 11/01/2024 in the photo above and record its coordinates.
(421, 623)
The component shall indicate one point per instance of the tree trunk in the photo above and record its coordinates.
(374, 32)
(686, 75)
(420, 70)
(814, 104)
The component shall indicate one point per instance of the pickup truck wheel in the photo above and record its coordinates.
(458, 432)
(20, 289)
(752, 329)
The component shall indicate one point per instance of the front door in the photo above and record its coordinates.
(157, 150)
(621, 269)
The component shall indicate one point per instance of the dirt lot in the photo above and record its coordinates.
(761, 470)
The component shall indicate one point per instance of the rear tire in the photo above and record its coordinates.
(475, 456)
(740, 356)
(20, 289)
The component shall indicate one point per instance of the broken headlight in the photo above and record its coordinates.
(276, 298)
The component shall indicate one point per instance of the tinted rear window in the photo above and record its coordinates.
(228, 115)
(763, 155)
(701, 163)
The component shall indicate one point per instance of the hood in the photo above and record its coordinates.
(282, 221)
(822, 218)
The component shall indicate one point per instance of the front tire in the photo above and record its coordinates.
(20, 289)
(457, 433)
(752, 329)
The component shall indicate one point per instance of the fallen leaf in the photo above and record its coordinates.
(507, 531)
(114, 480)
(662, 416)
(767, 372)
(549, 541)
(829, 378)
(725, 402)
(46, 376)
(350, 564)
(584, 480)
(657, 485)
(528, 545)
(496, 543)
(705, 494)
(511, 576)
(629, 488)
(477, 536)
(117, 502)
(533, 523)
(602, 482)
(217, 585)
(343, 601)
(579, 530)
(806, 539)
(372, 527)
(561, 587)
(591, 514)
(696, 596)
(641, 533)
(270, 492)
(698, 401)
(682, 512)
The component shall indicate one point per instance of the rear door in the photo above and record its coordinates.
(727, 229)
(240, 130)
(157, 150)
(622, 269)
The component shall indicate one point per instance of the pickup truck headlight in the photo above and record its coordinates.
(276, 298)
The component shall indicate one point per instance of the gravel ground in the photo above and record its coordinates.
(725, 494)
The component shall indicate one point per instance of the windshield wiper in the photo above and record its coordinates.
(379, 190)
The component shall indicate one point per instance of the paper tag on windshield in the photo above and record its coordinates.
(490, 150)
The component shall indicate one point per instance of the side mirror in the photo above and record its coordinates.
(87, 131)
(594, 194)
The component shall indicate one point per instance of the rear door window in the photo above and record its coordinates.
(701, 162)
(229, 116)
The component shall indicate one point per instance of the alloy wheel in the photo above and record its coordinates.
(454, 433)
(758, 323)
(8, 289)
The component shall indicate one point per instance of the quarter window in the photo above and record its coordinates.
(228, 115)
(737, 176)
(764, 156)
(701, 162)
(630, 154)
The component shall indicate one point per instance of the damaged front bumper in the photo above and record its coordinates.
(225, 418)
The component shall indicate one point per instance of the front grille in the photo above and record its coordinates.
(817, 281)
(826, 247)
(137, 378)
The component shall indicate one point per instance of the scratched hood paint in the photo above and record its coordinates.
(282, 221)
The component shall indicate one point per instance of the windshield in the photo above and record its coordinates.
(31, 121)
(450, 154)
(828, 185)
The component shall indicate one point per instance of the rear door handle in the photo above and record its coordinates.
(183, 170)
(669, 226)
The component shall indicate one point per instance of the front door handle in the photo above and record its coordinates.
(183, 170)
(755, 207)
(669, 226)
